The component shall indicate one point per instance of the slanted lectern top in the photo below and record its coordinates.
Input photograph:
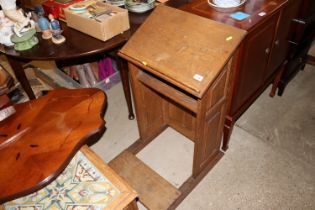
(182, 48)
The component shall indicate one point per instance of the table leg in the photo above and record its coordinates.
(21, 76)
(227, 131)
(122, 64)
(276, 80)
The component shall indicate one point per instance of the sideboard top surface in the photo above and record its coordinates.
(257, 10)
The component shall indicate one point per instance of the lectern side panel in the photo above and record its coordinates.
(210, 121)
(149, 107)
(215, 114)
(182, 120)
(213, 131)
(218, 88)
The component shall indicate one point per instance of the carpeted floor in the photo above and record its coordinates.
(270, 163)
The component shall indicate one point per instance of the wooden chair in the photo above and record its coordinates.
(43, 163)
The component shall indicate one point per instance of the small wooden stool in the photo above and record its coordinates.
(86, 183)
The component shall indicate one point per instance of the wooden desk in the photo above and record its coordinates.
(78, 46)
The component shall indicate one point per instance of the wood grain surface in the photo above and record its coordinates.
(177, 46)
(39, 138)
(257, 9)
(154, 192)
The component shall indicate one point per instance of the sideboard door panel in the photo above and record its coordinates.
(254, 62)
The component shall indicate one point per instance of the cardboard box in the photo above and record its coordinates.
(102, 29)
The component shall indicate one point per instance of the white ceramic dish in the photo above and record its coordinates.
(139, 7)
(225, 5)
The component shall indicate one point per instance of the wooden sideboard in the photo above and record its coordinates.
(263, 52)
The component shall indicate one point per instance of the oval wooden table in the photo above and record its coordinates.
(38, 138)
(78, 46)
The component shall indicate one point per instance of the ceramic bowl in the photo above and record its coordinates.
(226, 5)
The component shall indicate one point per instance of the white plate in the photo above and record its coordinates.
(225, 4)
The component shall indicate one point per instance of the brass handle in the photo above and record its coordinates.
(277, 42)
(267, 51)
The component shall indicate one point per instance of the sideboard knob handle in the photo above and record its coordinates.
(267, 51)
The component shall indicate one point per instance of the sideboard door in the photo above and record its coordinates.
(254, 62)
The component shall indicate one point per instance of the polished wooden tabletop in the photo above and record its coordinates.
(38, 138)
(77, 45)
